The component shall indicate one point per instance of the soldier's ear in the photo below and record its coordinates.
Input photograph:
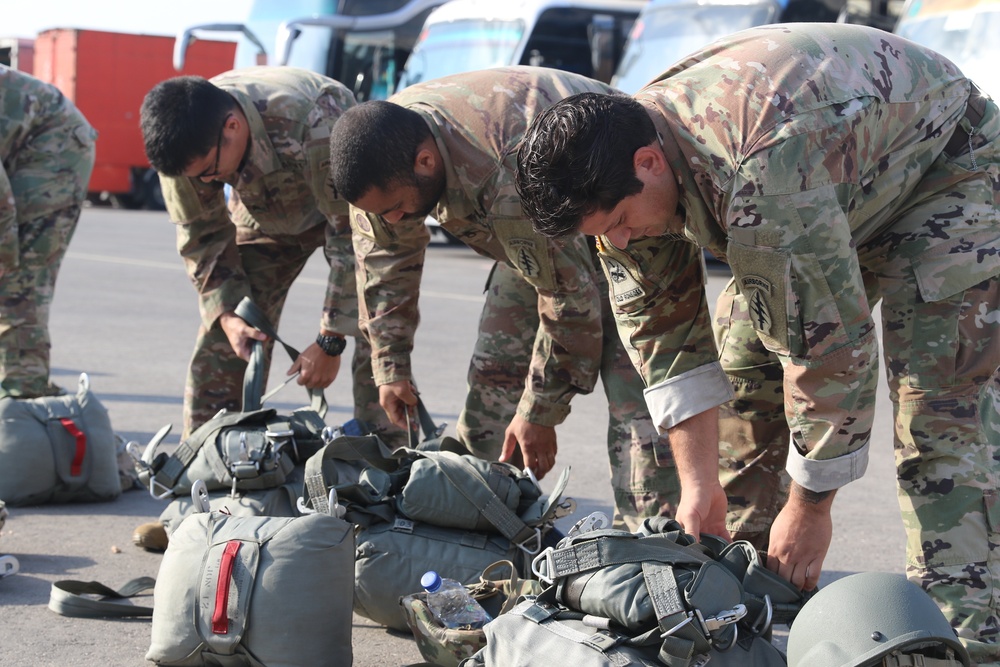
(648, 159)
(427, 159)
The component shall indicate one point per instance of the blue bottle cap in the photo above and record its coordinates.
(431, 581)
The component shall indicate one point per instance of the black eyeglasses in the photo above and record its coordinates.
(218, 151)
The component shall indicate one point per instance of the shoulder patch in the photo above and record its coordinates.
(625, 288)
(757, 291)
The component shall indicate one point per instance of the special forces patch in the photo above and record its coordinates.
(525, 257)
(757, 291)
(624, 287)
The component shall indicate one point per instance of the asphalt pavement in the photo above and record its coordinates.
(125, 313)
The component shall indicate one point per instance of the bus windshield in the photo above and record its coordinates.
(967, 37)
(460, 46)
(663, 35)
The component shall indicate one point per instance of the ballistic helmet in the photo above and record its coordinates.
(872, 619)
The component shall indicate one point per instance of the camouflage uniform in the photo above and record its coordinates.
(48, 153)
(819, 162)
(279, 213)
(541, 337)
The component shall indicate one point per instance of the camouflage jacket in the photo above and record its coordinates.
(477, 120)
(29, 110)
(829, 125)
(278, 194)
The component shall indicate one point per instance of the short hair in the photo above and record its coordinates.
(180, 120)
(374, 144)
(577, 158)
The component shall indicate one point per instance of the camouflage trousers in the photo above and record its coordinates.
(215, 373)
(942, 361)
(49, 183)
(643, 476)
(25, 301)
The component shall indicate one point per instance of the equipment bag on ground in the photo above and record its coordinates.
(239, 451)
(255, 592)
(499, 588)
(432, 508)
(653, 597)
(57, 449)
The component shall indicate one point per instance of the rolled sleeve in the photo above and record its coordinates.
(827, 474)
(672, 401)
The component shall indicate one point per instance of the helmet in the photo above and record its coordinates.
(858, 620)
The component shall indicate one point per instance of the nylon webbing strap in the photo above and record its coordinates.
(187, 450)
(248, 311)
(67, 599)
(547, 616)
(466, 479)
(604, 551)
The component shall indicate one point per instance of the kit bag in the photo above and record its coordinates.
(57, 449)
(654, 596)
(255, 592)
(434, 507)
(499, 588)
(239, 451)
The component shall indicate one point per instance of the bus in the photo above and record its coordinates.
(964, 31)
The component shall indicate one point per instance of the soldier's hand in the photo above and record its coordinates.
(240, 334)
(800, 538)
(537, 444)
(316, 368)
(702, 509)
(394, 398)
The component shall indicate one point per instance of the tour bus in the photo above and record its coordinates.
(582, 36)
(668, 30)
(361, 43)
(965, 31)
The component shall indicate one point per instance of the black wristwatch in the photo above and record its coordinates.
(333, 345)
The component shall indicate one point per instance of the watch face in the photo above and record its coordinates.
(332, 345)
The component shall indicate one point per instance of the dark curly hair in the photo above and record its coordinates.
(576, 158)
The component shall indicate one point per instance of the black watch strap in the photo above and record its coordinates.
(333, 345)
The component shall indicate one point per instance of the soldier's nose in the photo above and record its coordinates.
(618, 237)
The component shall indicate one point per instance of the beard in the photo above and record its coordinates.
(429, 191)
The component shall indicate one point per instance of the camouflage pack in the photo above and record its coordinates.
(499, 588)
(57, 449)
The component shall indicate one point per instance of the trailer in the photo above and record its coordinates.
(107, 75)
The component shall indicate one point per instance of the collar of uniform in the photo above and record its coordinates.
(697, 218)
(455, 202)
(261, 158)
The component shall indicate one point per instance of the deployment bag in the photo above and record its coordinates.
(57, 449)
(687, 603)
(429, 508)
(255, 592)
(499, 588)
(239, 451)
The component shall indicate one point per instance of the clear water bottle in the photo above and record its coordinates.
(451, 603)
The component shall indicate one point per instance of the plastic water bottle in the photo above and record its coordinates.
(451, 603)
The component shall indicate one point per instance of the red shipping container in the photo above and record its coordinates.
(107, 75)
